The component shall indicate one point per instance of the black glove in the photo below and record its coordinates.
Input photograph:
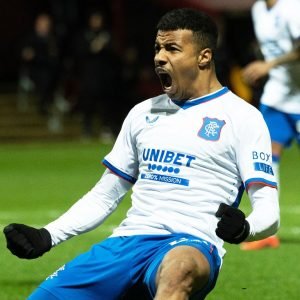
(27, 242)
(233, 228)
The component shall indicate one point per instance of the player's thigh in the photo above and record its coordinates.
(281, 129)
(295, 118)
(183, 267)
(102, 271)
(41, 294)
(197, 246)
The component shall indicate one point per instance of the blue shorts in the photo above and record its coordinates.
(122, 265)
(283, 127)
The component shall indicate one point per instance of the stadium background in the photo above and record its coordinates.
(130, 22)
(42, 172)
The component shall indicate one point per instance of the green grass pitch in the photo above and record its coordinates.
(38, 182)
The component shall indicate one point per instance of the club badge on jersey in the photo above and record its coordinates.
(211, 129)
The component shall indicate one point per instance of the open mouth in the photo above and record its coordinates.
(165, 78)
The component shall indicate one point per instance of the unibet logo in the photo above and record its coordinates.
(166, 156)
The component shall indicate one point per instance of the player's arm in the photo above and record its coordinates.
(86, 214)
(290, 57)
(258, 69)
(233, 227)
(287, 58)
(264, 219)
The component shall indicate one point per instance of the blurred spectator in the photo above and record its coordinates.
(98, 72)
(234, 51)
(130, 70)
(222, 53)
(40, 63)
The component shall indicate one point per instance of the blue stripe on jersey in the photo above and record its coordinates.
(188, 104)
(261, 181)
(238, 199)
(118, 172)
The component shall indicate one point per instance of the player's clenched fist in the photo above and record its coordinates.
(232, 227)
(27, 242)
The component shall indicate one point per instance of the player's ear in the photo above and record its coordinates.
(204, 58)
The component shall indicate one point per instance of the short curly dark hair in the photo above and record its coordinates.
(203, 27)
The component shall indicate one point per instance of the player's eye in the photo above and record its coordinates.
(171, 48)
(156, 48)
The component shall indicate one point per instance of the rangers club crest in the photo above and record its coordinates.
(211, 129)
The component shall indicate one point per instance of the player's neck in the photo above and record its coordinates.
(207, 87)
(271, 3)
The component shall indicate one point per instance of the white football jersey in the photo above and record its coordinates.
(186, 159)
(276, 30)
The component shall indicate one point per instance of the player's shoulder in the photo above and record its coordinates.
(237, 100)
(146, 106)
(244, 117)
(259, 6)
(142, 111)
(289, 8)
(288, 4)
(242, 107)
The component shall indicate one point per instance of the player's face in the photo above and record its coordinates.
(176, 63)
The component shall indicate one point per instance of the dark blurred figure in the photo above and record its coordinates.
(222, 53)
(98, 72)
(40, 63)
(130, 76)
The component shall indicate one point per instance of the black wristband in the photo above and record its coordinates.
(243, 235)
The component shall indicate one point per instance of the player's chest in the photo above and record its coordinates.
(184, 138)
(271, 27)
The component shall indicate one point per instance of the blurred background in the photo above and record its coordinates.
(72, 69)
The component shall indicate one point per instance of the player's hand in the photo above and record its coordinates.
(27, 242)
(233, 227)
(255, 71)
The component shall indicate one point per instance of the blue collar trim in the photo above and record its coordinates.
(190, 103)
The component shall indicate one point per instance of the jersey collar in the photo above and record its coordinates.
(190, 103)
